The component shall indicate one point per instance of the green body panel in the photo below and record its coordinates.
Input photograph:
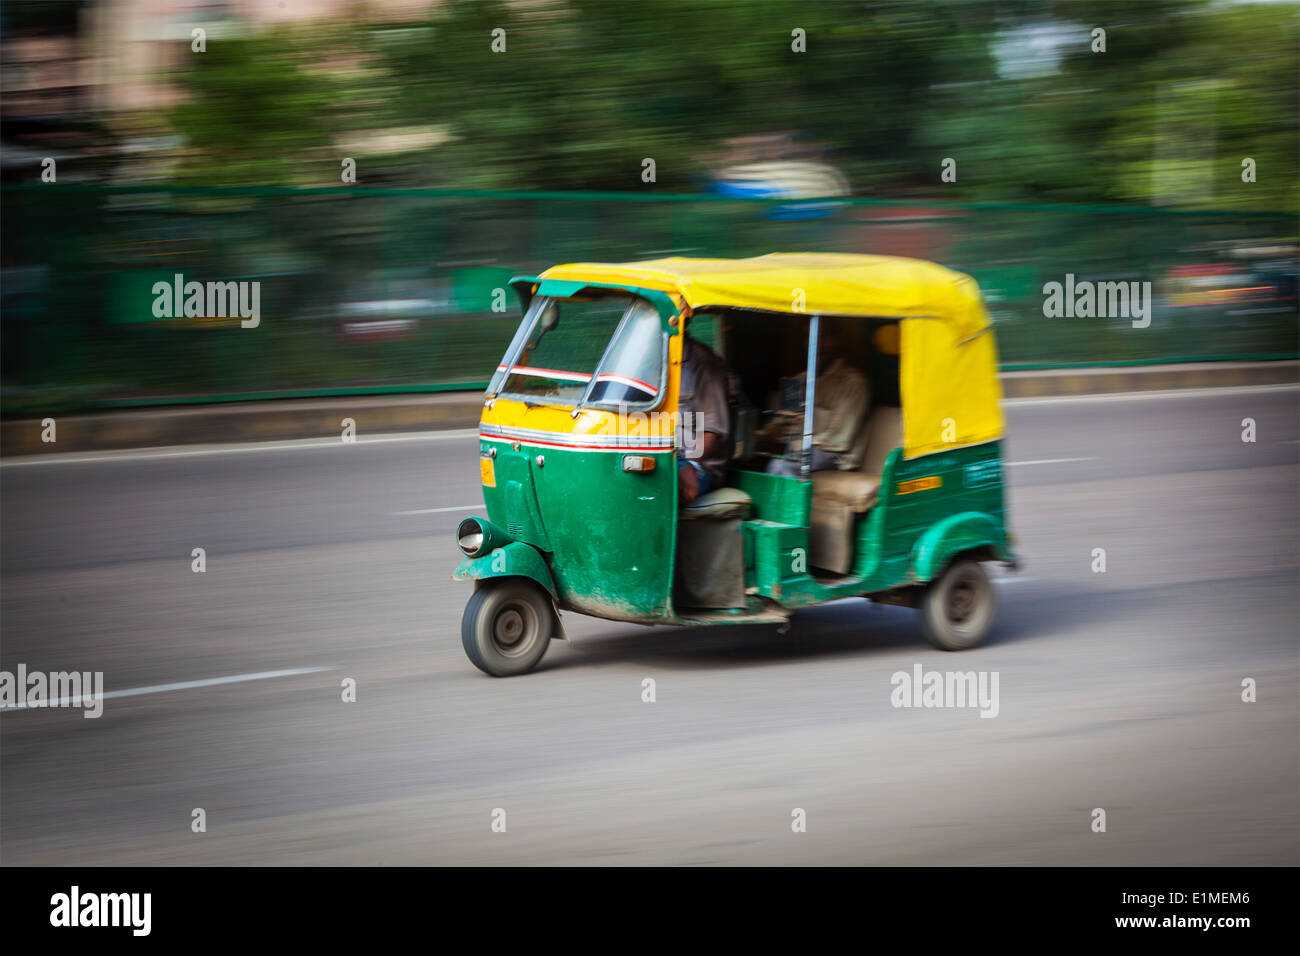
(780, 557)
(776, 497)
(879, 565)
(512, 505)
(922, 530)
(776, 537)
(608, 536)
(515, 559)
(905, 539)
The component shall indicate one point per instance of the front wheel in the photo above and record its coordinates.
(957, 609)
(506, 627)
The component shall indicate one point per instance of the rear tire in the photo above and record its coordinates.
(958, 607)
(507, 627)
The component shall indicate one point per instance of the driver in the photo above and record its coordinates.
(702, 418)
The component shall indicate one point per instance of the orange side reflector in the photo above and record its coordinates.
(638, 463)
(488, 472)
(919, 484)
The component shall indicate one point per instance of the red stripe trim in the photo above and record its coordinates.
(579, 376)
(547, 373)
(627, 380)
(630, 449)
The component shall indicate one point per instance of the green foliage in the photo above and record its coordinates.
(252, 114)
(1182, 93)
(587, 89)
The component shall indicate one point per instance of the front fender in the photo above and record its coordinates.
(952, 535)
(516, 559)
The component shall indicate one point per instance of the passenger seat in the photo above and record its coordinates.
(882, 433)
(840, 496)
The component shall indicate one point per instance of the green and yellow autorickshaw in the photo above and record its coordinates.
(580, 438)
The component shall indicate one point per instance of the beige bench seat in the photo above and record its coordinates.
(719, 505)
(840, 496)
(853, 488)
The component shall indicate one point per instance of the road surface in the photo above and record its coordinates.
(1119, 691)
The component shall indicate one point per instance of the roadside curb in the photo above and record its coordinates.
(324, 418)
(242, 422)
(1141, 378)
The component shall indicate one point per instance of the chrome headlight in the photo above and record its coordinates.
(470, 537)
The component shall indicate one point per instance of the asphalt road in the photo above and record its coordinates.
(1118, 690)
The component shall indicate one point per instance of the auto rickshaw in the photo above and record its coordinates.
(579, 444)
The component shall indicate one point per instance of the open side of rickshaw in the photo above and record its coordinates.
(580, 437)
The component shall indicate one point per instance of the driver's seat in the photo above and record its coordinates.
(711, 550)
(720, 504)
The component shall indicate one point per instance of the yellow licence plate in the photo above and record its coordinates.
(488, 471)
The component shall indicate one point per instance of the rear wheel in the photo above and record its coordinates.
(507, 626)
(957, 609)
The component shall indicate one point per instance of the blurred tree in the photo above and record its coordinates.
(252, 114)
(585, 90)
(1183, 92)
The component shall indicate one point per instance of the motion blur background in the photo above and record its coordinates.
(474, 165)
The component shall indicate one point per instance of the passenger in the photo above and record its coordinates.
(842, 401)
(702, 417)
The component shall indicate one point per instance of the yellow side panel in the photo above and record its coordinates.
(950, 391)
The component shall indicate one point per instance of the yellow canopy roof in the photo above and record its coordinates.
(948, 369)
(812, 283)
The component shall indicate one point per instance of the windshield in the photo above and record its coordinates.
(566, 339)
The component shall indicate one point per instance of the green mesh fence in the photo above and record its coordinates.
(402, 290)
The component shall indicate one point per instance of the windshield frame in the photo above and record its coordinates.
(529, 322)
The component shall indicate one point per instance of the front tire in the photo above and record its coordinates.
(958, 608)
(507, 627)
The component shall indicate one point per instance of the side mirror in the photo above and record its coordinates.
(550, 318)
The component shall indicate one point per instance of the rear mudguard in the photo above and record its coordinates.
(965, 531)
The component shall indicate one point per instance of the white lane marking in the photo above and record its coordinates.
(174, 452)
(164, 688)
(1048, 461)
(438, 511)
(1209, 392)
